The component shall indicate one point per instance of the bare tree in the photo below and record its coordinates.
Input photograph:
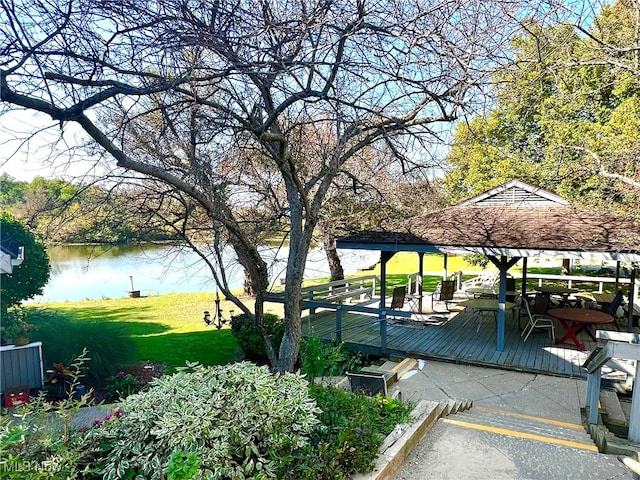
(200, 80)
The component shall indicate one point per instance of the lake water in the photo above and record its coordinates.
(94, 272)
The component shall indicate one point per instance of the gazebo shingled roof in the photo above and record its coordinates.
(514, 229)
(507, 223)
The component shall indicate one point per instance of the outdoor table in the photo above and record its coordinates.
(483, 305)
(574, 320)
(479, 292)
(603, 297)
(564, 292)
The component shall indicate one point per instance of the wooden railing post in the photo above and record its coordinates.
(383, 332)
(338, 325)
(593, 395)
(634, 420)
(312, 310)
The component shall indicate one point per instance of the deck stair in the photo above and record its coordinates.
(611, 431)
(524, 426)
(450, 407)
(392, 371)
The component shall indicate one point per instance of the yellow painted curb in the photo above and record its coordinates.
(576, 426)
(528, 436)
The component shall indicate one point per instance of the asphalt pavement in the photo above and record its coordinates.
(521, 426)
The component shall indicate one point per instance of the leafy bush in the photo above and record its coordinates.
(27, 280)
(37, 440)
(327, 359)
(234, 421)
(16, 322)
(108, 343)
(121, 385)
(349, 436)
(246, 332)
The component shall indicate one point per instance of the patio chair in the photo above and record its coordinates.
(511, 288)
(612, 308)
(415, 293)
(443, 293)
(538, 321)
(540, 305)
(519, 302)
(398, 296)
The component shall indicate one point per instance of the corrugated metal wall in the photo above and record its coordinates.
(21, 366)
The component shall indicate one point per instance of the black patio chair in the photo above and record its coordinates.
(398, 296)
(612, 308)
(443, 293)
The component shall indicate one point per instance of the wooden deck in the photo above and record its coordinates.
(454, 337)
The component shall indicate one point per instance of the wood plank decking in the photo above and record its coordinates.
(454, 338)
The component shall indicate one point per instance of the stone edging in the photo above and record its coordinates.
(399, 443)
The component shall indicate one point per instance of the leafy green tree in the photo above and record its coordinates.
(195, 81)
(28, 279)
(11, 191)
(566, 117)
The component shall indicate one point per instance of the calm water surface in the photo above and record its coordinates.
(94, 272)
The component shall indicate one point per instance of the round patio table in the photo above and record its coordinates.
(574, 320)
(564, 292)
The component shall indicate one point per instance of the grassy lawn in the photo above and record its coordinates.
(166, 328)
(169, 328)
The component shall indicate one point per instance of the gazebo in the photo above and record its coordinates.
(508, 223)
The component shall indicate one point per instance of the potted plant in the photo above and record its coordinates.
(15, 329)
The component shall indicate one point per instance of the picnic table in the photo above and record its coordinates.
(575, 320)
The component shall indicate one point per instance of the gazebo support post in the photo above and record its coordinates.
(384, 259)
(631, 296)
(503, 264)
(444, 266)
(420, 275)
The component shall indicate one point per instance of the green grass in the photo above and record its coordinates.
(166, 328)
(169, 328)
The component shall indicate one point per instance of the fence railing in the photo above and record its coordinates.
(572, 281)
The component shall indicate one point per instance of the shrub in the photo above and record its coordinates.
(233, 421)
(327, 359)
(246, 332)
(16, 322)
(349, 436)
(121, 385)
(108, 343)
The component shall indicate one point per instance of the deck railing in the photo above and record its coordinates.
(572, 281)
(358, 292)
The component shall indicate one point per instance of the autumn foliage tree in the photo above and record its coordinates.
(567, 113)
(197, 81)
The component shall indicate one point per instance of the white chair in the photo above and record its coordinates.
(537, 321)
(487, 281)
(415, 293)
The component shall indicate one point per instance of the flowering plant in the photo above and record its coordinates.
(121, 385)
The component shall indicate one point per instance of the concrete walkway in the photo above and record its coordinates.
(522, 426)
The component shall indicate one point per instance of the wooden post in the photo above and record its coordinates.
(593, 395)
(502, 298)
(634, 421)
(338, 325)
(631, 296)
(419, 279)
(383, 332)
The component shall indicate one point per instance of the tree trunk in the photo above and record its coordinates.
(249, 289)
(335, 265)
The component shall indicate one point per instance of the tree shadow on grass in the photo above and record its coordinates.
(214, 347)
